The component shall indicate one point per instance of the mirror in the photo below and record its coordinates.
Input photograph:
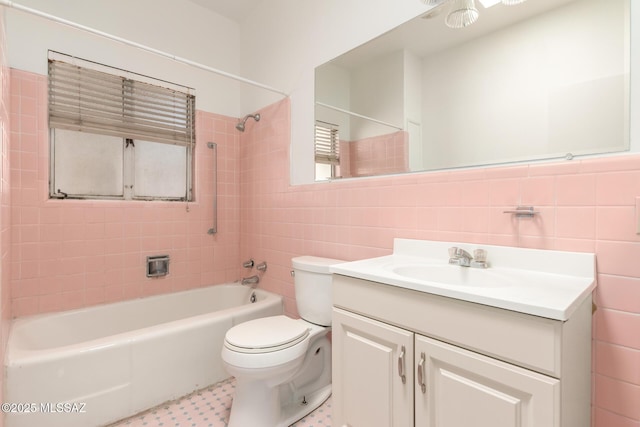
(539, 80)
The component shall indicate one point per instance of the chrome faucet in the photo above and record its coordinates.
(250, 281)
(459, 256)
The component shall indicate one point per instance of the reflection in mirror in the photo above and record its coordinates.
(539, 80)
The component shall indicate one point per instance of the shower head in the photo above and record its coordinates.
(240, 125)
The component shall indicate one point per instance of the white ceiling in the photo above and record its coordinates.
(428, 33)
(235, 10)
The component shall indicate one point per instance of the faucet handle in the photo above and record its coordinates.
(480, 260)
(262, 266)
(462, 253)
(453, 251)
(480, 255)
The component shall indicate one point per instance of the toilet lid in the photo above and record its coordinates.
(266, 334)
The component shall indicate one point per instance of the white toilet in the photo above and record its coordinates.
(282, 365)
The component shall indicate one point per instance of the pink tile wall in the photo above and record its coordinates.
(74, 253)
(384, 154)
(68, 254)
(587, 205)
(5, 211)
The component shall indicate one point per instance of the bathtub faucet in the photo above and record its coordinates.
(250, 281)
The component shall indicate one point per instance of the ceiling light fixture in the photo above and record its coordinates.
(489, 3)
(433, 2)
(464, 12)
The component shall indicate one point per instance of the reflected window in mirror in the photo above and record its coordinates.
(327, 151)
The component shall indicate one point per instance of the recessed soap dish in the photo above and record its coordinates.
(157, 266)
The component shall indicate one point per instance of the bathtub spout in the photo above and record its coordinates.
(251, 281)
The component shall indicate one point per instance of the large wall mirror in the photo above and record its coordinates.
(539, 80)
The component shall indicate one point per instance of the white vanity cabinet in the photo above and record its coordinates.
(370, 359)
(456, 387)
(464, 364)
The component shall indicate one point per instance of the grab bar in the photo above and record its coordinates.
(213, 146)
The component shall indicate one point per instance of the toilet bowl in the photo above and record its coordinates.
(282, 365)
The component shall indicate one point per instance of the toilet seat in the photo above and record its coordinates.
(266, 335)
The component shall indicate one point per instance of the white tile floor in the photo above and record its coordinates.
(209, 408)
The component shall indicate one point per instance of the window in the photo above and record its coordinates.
(116, 134)
(327, 151)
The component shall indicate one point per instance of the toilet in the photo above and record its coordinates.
(282, 365)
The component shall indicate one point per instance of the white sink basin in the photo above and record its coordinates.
(453, 275)
(539, 282)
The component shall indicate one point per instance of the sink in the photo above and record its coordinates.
(543, 283)
(452, 275)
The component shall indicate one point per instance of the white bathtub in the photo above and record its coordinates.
(93, 366)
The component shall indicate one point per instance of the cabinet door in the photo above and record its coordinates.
(468, 389)
(369, 358)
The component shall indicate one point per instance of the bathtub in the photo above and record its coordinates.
(93, 366)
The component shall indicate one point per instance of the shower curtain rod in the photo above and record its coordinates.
(351, 113)
(138, 45)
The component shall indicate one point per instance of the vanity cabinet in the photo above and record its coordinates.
(373, 367)
(403, 358)
(463, 388)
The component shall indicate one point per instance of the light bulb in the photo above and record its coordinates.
(463, 13)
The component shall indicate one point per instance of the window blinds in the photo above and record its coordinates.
(87, 100)
(327, 144)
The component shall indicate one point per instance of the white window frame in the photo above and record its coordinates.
(131, 130)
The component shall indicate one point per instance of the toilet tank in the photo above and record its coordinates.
(312, 279)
